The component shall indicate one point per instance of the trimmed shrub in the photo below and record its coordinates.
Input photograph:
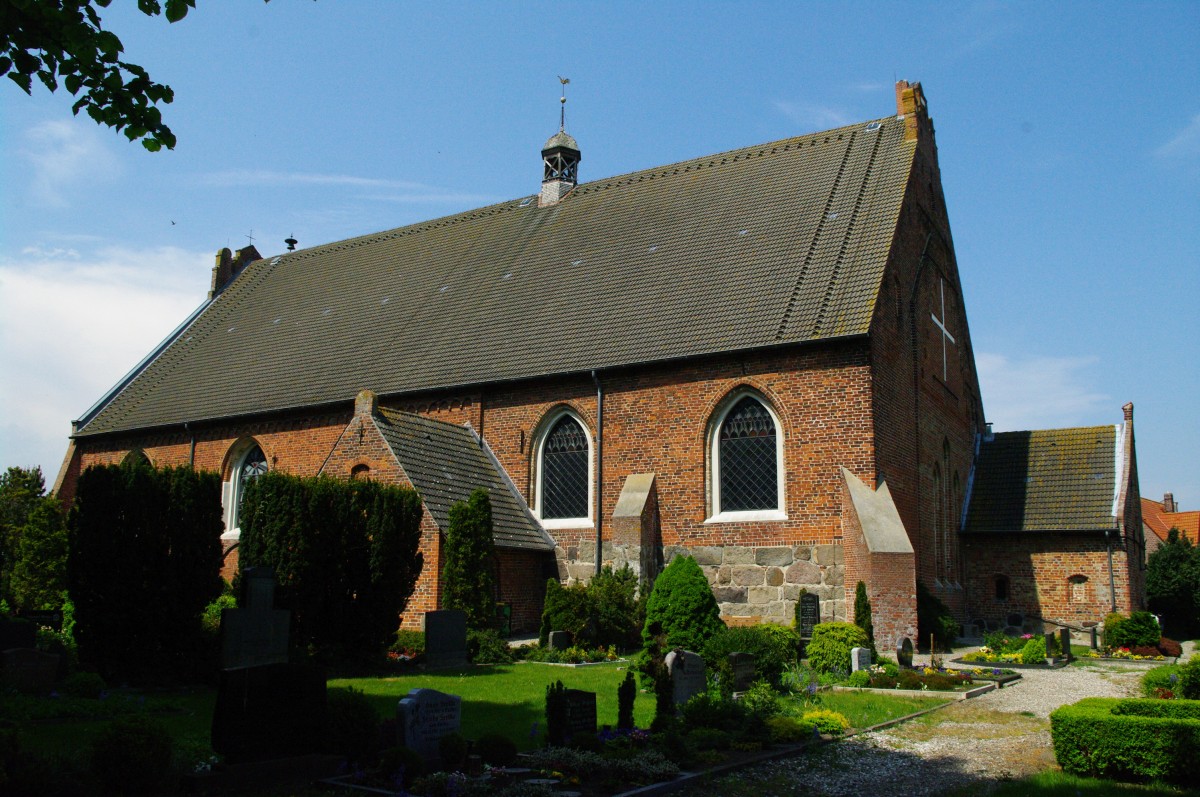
(566, 609)
(488, 647)
(681, 611)
(1189, 678)
(132, 755)
(353, 724)
(773, 646)
(934, 618)
(711, 711)
(626, 695)
(345, 555)
(827, 721)
(859, 678)
(789, 730)
(1140, 629)
(830, 647)
(1131, 739)
(83, 684)
(761, 701)
(1169, 647)
(1034, 651)
(496, 750)
(468, 553)
(1160, 680)
(605, 613)
(410, 642)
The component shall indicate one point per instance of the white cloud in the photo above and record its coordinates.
(262, 177)
(1041, 392)
(71, 327)
(66, 155)
(1185, 144)
(813, 117)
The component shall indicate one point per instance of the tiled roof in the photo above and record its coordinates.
(773, 244)
(1048, 480)
(1188, 524)
(445, 462)
(1154, 518)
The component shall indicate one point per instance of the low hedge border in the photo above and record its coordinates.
(1129, 739)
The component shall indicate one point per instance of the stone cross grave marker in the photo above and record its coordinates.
(1064, 637)
(904, 652)
(446, 638)
(860, 659)
(687, 674)
(424, 717)
(29, 670)
(810, 614)
(742, 665)
(558, 640)
(256, 634)
(581, 712)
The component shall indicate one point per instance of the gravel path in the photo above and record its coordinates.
(972, 744)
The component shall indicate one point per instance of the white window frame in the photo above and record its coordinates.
(714, 456)
(548, 423)
(231, 488)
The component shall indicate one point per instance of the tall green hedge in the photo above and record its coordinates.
(345, 554)
(831, 644)
(144, 560)
(1130, 739)
(33, 542)
(468, 575)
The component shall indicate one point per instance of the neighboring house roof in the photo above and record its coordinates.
(1161, 523)
(445, 462)
(1046, 480)
(779, 243)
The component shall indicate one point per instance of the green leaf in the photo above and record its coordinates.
(177, 9)
(5, 64)
(73, 82)
(22, 80)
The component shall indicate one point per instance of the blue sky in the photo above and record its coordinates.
(1068, 134)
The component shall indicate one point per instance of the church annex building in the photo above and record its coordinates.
(760, 358)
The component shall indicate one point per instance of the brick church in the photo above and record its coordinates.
(759, 358)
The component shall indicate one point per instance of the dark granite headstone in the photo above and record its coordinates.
(17, 634)
(558, 640)
(1051, 639)
(742, 665)
(904, 652)
(255, 634)
(581, 712)
(28, 670)
(424, 717)
(810, 614)
(687, 674)
(272, 711)
(446, 638)
(1064, 641)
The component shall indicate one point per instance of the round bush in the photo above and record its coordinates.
(1189, 679)
(1034, 651)
(1169, 647)
(773, 646)
(488, 647)
(859, 678)
(83, 684)
(787, 730)
(1140, 630)
(132, 755)
(829, 650)
(827, 721)
(681, 608)
(353, 724)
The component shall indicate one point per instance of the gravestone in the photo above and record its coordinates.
(1064, 640)
(256, 634)
(904, 652)
(559, 640)
(860, 659)
(446, 638)
(810, 614)
(1050, 638)
(742, 665)
(28, 670)
(687, 674)
(424, 717)
(581, 712)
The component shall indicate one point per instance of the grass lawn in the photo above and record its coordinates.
(1059, 784)
(508, 698)
(866, 709)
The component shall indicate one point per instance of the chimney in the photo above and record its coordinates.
(910, 106)
(1169, 503)
(229, 265)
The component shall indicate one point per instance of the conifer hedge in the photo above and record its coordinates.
(681, 611)
(345, 555)
(143, 561)
(468, 576)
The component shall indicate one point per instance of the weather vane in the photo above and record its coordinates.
(562, 111)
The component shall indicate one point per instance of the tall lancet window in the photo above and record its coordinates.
(746, 457)
(564, 490)
(248, 465)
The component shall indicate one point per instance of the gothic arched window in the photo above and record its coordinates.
(564, 484)
(247, 465)
(747, 467)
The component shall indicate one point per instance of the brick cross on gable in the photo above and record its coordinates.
(941, 325)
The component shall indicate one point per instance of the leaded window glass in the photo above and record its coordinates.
(565, 471)
(254, 464)
(748, 464)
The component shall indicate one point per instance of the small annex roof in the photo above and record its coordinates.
(774, 244)
(1045, 480)
(446, 462)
